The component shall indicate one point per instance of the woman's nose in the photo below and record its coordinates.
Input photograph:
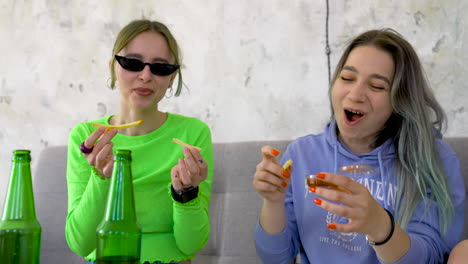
(357, 92)
(145, 74)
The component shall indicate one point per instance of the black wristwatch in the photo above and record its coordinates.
(184, 195)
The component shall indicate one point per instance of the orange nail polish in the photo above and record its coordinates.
(317, 201)
(275, 152)
(331, 226)
(321, 175)
(312, 188)
(286, 174)
(284, 184)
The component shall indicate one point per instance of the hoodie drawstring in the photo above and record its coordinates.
(335, 165)
(383, 179)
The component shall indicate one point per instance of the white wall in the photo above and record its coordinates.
(255, 69)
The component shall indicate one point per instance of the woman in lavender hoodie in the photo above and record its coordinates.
(383, 115)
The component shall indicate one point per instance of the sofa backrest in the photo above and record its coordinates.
(234, 206)
(50, 194)
(460, 146)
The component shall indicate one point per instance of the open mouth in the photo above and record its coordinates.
(352, 115)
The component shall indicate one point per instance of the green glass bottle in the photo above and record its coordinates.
(20, 232)
(118, 236)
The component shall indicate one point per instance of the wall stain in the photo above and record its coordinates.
(79, 88)
(5, 99)
(102, 109)
(266, 56)
(305, 69)
(439, 43)
(45, 102)
(248, 74)
(419, 18)
(247, 41)
(66, 25)
(45, 143)
(459, 110)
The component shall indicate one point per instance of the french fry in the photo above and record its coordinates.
(108, 127)
(287, 164)
(183, 144)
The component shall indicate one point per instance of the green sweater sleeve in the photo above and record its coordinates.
(87, 194)
(191, 220)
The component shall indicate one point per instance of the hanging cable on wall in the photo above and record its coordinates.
(327, 45)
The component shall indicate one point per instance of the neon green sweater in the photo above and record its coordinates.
(171, 231)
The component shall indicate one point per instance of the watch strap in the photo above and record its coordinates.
(184, 195)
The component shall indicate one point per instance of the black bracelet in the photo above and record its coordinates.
(372, 243)
(184, 195)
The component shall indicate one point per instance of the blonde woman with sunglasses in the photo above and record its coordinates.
(172, 184)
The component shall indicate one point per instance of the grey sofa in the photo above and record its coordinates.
(234, 206)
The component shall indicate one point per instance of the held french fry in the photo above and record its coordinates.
(183, 144)
(287, 164)
(108, 127)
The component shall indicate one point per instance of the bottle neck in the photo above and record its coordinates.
(19, 202)
(120, 201)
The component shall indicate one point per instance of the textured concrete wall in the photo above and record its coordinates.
(254, 69)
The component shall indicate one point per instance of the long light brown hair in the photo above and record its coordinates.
(417, 120)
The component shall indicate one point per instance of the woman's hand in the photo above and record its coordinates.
(190, 171)
(270, 180)
(365, 214)
(101, 157)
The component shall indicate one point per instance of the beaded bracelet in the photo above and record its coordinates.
(372, 243)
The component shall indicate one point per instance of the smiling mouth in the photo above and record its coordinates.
(352, 116)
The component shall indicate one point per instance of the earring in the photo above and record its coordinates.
(109, 82)
(170, 93)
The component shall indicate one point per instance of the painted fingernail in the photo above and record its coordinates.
(312, 188)
(284, 184)
(331, 226)
(317, 201)
(321, 175)
(286, 174)
(275, 152)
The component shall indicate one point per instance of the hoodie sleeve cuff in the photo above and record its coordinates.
(273, 243)
(415, 254)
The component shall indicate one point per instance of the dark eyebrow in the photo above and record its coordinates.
(375, 75)
(350, 68)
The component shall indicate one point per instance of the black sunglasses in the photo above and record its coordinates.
(135, 65)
